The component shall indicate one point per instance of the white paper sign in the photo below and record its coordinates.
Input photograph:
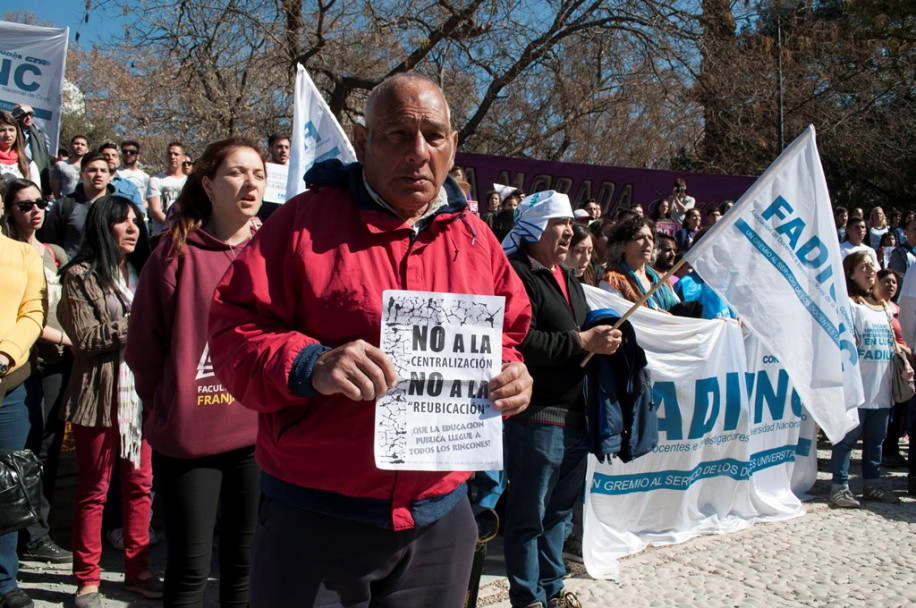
(276, 183)
(445, 348)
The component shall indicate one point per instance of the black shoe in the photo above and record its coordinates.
(893, 461)
(16, 599)
(46, 550)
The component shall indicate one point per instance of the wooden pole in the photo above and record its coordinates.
(662, 281)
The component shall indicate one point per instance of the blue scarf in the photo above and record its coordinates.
(662, 299)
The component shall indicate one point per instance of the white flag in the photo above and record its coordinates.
(774, 258)
(317, 135)
(32, 62)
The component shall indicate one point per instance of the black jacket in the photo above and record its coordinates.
(621, 419)
(552, 349)
(38, 143)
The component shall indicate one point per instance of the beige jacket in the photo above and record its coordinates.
(97, 341)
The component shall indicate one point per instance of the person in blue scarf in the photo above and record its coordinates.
(629, 273)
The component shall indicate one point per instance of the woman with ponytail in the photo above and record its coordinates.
(202, 439)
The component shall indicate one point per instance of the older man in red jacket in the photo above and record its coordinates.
(295, 326)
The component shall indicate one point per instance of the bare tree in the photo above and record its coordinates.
(519, 72)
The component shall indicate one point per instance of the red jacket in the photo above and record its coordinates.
(189, 413)
(314, 274)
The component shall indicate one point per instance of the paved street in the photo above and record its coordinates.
(828, 557)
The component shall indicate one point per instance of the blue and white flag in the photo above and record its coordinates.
(32, 62)
(774, 258)
(317, 135)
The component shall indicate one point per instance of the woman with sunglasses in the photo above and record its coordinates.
(23, 215)
(13, 160)
(203, 440)
(21, 319)
(100, 401)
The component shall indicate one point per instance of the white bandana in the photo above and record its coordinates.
(532, 215)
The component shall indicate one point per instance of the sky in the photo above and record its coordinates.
(104, 23)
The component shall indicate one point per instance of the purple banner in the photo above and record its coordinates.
(613, 187)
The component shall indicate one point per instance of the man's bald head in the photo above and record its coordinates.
(391, 84)
(407, 145)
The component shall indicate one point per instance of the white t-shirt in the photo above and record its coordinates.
(137, 177)
(13, 170)
(876, 343)
(846, 248)
(676, 215)
(68, 174)
(167, 189)
(874, 236)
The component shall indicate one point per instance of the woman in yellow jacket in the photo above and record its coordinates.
(22, 317)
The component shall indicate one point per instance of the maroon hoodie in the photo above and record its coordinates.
(187, 412)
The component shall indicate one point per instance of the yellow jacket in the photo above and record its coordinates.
(22, 302)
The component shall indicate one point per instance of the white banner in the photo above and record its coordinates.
(767, 260)
(32, 63)
(317, 135)
(731, 429)
(445, 348)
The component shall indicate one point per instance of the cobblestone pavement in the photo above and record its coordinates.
(828, 557)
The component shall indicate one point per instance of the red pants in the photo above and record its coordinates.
(97, 453)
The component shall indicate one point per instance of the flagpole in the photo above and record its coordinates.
(663, 280)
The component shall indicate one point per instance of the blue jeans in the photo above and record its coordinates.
(546, 469)
(14, 428)
(873, 428)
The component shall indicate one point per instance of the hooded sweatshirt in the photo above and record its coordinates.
(188, 413)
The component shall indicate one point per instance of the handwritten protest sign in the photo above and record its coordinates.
(445, 348)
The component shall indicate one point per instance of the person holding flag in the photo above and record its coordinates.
(545, 447)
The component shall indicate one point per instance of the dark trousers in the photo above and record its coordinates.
(45, 394)
(192, 490)
(896, 428)
(301, 558)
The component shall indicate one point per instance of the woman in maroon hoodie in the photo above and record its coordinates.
(203, 440)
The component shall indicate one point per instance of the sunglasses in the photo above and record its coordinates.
(187, 164)
(26, 206)
(128, 152)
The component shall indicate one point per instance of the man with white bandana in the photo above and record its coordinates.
(545, 451)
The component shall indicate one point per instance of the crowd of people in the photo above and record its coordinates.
(190, 338)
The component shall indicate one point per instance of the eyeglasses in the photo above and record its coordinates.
(187, 163)
(26, 206)
(129, 151)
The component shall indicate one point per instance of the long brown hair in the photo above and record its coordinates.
(850, 263)
(9, 192)
(19, 145)
(194, 206)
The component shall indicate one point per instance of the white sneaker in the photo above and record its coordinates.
(843, 499)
